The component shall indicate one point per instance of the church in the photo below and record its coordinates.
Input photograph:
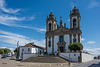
(58, 37)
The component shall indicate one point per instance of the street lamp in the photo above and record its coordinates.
(69, 58)
(17, 49)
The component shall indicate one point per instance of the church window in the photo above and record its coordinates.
(74, 23)
(61, 39)
(22, 49)
(49, 26)
(28, 49)
(74, 54)
(49, 43)
(74, 40)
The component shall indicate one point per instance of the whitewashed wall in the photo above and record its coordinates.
(39, 49)
(67, 40)
(87, 57)
(73, 56)
(76, 37)
(26, 56)
(49, 49)
(32, 50)
(25, 50)
(56, 39)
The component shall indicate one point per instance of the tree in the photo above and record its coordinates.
(1, 51)
(5, 51)
(95, 57)
(75, 46)
(16, 49)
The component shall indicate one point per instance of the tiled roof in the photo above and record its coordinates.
(35, 46)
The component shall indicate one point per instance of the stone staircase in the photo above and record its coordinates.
(46, 59)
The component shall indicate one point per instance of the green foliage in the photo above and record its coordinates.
(1, 51)
(16, 49)
(75, 46)
(45, 53)
(5, 51)
(12, 55)
(95, 57)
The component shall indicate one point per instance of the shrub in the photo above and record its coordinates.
(75, 46)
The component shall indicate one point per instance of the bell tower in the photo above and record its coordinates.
(51, 23)
(75, 25)
(75, 18)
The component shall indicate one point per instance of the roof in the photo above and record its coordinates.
(35, 46)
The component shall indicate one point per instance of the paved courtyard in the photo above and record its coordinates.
(93, 63)
(12, 63)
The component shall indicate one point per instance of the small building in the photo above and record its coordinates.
(99, 57)
(30, 50)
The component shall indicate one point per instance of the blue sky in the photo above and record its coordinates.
(25, 21)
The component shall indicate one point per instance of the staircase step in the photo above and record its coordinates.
(46, 59)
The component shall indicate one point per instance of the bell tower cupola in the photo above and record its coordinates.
(75, 18)
(51, 23)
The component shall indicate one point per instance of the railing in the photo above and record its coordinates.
(65, 57)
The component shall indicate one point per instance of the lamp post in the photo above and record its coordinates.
(69, 58)
(17, 49)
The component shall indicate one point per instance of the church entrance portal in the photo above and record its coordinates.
(61, 49)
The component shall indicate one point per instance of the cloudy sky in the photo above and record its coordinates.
(25, 21)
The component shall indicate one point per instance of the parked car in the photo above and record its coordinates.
(9, 55)
(4, 56)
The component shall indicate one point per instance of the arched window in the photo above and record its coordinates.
(49, 26)
(61, 39)
(49, 44)
(74, 23)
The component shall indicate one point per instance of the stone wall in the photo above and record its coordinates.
(87, 57)
(26, 56)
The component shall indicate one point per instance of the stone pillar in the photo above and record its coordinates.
(52, 44)
(70, 38)
(78, 37)
(46, 44)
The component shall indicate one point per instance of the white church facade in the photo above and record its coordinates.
(58, 37)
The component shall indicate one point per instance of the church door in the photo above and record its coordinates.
(61, 49)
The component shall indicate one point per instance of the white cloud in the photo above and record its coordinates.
(41, 30)
(93, 4)
(90, 42)
(11, 20)
(82, 39)
(94, 51)
(12, 49)
(7, 10)
(12, 38)
(3, 47)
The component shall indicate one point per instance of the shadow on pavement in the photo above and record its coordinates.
(95, 65)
